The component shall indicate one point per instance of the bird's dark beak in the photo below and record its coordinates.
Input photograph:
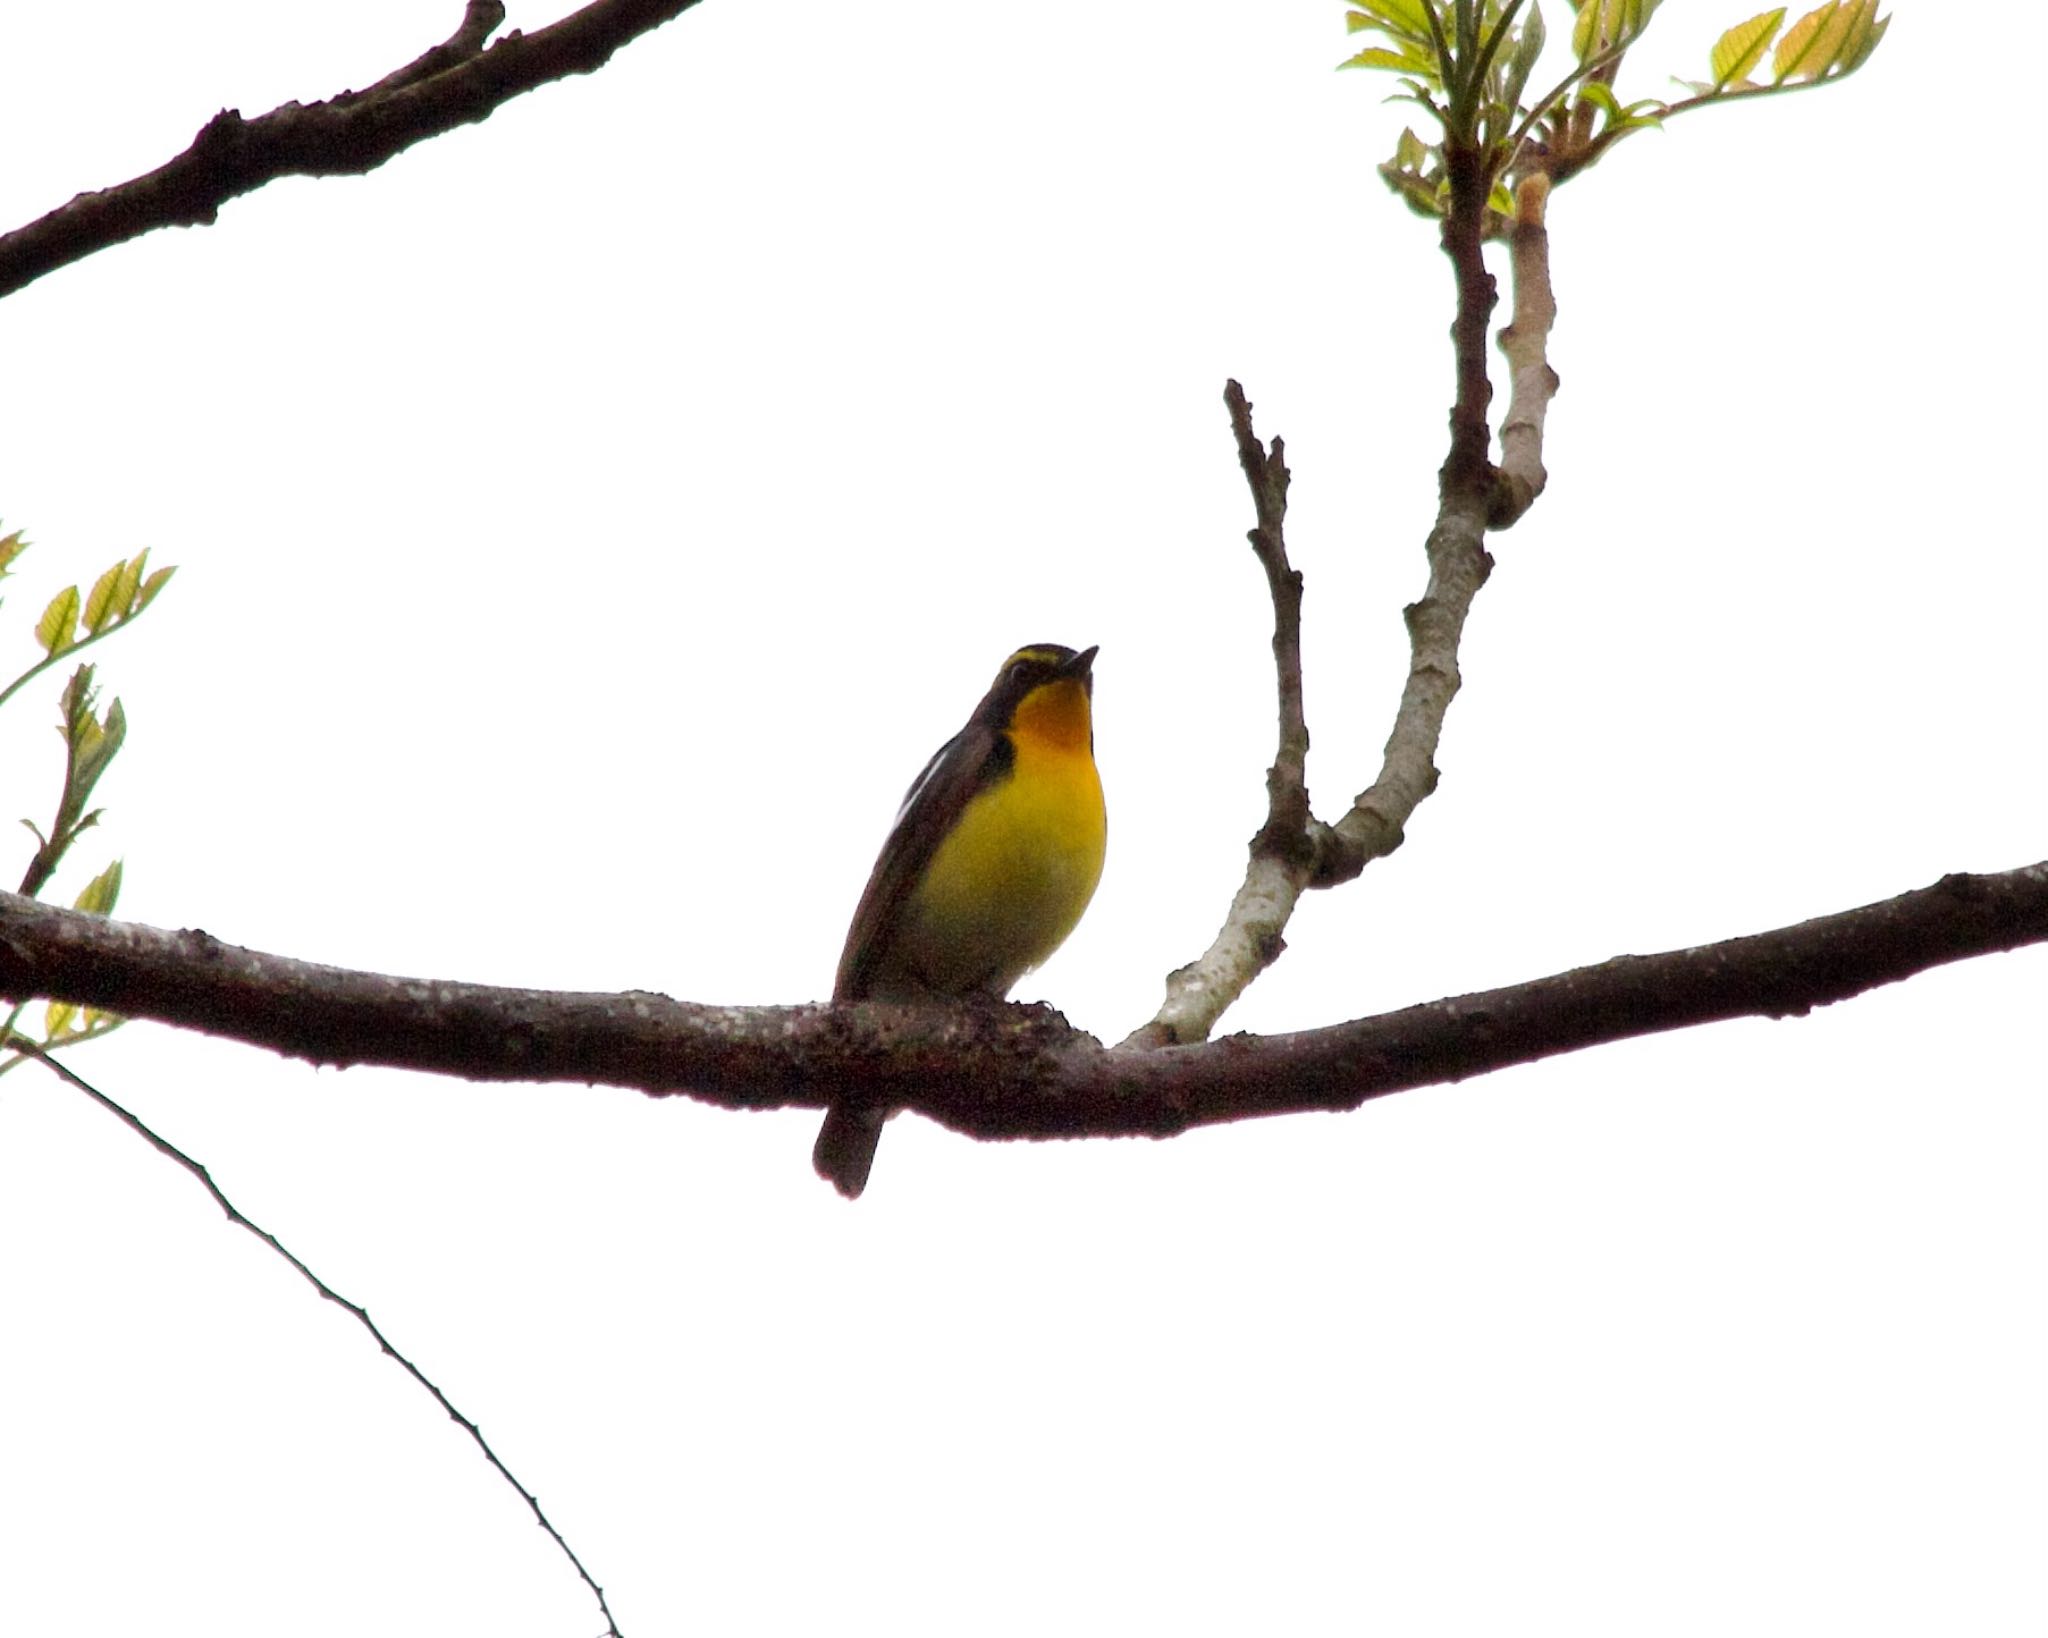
(1079, 666)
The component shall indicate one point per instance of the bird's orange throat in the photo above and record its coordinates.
(1055, 716)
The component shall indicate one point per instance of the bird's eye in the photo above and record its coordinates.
(1019, 670)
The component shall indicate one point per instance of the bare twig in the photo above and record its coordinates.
(22, 1044)
(1282, 854)
(992, 1072)
(458, 82)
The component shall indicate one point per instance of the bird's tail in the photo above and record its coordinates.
(846, 1146)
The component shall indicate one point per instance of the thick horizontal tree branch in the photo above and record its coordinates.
(993, 1070)
(458, 82)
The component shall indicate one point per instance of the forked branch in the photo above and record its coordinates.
(1294, 851)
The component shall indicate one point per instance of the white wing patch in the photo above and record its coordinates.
(918, 785)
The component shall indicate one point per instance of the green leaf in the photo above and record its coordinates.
(1528, 47)
(1416, 92)
(98, 896)
(11, 547)
(1602, 97)
(57, 1021)
(1424, 197)
(1743, 47)
(57, 629)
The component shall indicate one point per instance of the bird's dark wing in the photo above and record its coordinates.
(962, 766)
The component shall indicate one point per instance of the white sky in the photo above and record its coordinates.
(588, 524)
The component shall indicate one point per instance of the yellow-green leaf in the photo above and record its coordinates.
(1802, 53)
(154, 584)
(1834, 35)
(1859, 17)
(1404, 19)
(57, 1018)
(57, 629)
(1401, 62)
(1603, 24)
(131, 579)
(1595, 27)
(99, 602)
(1859, 53)
(86, 736)
(1528, 47)
(11, 547)
(1743, 47)
(1422, 196)
(99, 895)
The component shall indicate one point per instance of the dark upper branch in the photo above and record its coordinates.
(991, 1071)
(455, 83)
(1464, 237)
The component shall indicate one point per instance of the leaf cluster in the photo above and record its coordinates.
(1469, 64)
(92, 739)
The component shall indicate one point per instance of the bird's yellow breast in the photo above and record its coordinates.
(1020, 864)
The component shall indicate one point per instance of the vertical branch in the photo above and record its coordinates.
(1458, 563)
(1525, 343)
(1282, 853)
(1466, 467)
(1287, 815)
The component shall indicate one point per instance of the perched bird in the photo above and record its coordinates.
(994, 855)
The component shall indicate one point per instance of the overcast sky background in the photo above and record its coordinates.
(588, 524)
